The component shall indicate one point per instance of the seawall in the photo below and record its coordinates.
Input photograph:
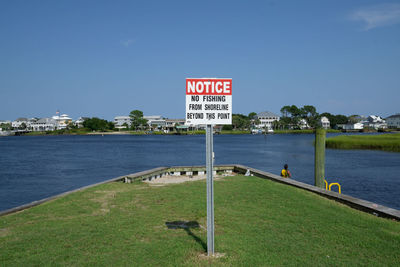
(359, 204)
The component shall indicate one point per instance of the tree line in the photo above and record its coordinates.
(292, 117)
(137, 122)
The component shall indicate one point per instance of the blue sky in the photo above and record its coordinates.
(106, 58)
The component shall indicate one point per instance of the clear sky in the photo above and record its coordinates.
(106, 58)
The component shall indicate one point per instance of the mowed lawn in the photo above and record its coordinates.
(257, 223)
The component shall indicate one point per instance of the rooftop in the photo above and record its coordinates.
(267, 114)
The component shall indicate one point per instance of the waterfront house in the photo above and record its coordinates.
(266, 119)
(351, 126)
(375, 122)
(170, 124)
(62, 121)
(393, 121)
(79, 122)
(155, 121)
(20, 122)
(303, 124)
(324, 122)
(121, 122)
(44, 124)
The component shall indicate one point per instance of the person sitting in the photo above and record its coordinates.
(285, 173)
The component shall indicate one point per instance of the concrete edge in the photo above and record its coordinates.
(356, 203)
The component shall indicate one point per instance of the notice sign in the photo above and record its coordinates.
(208, 101)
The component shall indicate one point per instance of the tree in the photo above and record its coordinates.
(285, 110)
(6, 126)
(125, 125)
(310, 114)
(227, 127)
(137, 119)
(291, 115)
(22, 126)
(252, 115)
(335, 119)
(96, 124)
(354, 118)
(240, 121)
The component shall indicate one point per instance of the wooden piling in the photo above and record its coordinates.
(319, 165)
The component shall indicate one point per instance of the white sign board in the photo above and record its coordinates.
(208, 101)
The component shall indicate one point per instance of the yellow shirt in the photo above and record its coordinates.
(284, 173)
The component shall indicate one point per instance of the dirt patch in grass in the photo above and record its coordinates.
(4, 232)
(216, 255)
(171, 179)
(104, 198)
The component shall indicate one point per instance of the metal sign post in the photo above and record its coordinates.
(210, 190)
(209, 102)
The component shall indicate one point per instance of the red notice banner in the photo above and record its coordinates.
(208, 86)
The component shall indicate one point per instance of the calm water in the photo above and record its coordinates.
(36, 167)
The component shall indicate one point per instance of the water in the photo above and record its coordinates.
(36, 167)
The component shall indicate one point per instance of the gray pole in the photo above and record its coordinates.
(319, 174)
(210, 190)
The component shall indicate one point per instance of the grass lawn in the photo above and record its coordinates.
(387, 142)
(305, 131)
(257, 223)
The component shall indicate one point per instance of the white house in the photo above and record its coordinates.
(44, 124)
(156, 121)
(266, 119)
(171, 123)
(18, 122)
(375, 122)
(62, 121)
(303, 124)
(121, 121)
(79, 122)
(352, 126)
(393, 121)
(324, 122)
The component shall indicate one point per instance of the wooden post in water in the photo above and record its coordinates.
(319, 174)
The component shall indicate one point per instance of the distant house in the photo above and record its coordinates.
(18, 123)
(351, 126)
(155, 121)
(393, 121)
(303, 124)
(324, 122)
(79, 122)
(375, 122)
(171, 123)
(44, 124)
(62, 121)
(4, 122)
(121, 122)
(266, 119)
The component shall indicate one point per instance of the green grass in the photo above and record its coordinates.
(386, 142)
(257, 223)
(307, 131)
(78, 131)
(235, 132)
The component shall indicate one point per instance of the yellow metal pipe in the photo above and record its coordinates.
(338, 185)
